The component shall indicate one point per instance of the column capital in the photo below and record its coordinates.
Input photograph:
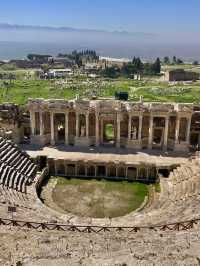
(118, 116)
(167, 116)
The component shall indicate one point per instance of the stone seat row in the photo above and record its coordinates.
(28, 206)
(11, 197)
(10, 178)
(183, 189)
(179, 199)
(12, 156)
(16, 168)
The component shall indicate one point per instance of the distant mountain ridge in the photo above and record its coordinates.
(69, 29)
(16, 41)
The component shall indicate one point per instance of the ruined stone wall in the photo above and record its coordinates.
(13, 122)
(181, 75)
(135, 124)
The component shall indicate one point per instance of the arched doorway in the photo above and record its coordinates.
(109, 133)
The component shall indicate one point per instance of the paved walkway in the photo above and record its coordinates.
(158, 158)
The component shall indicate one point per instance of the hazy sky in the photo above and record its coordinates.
(130, 15)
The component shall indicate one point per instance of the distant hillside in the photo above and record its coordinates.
(6, 26)
(16, 41)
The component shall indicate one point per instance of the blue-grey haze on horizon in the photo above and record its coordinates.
(126, 28)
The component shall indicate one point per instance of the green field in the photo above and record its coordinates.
(98, 199)
(19, 91)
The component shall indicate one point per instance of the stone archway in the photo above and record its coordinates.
(195, 132)
(60, 128)
(108, 132)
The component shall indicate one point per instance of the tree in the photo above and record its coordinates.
(157, 66)
(111, 72)
(174, 59)
(128, 70)
(148, 69)
(38, 57)
(45, 67)
(138, 65)
(166, 60)
(179, 61)
(195, 63)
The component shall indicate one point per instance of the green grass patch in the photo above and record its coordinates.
(19, 91)
(109, 131)
(92, 198)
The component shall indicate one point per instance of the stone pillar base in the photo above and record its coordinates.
(66, 143)
(97, 144)
(82, 141)
(40, 140)
(118, 144)
(53, 142)
(183, 146)
(134, 144)
(165, 148)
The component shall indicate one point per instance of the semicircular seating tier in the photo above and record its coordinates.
(16, 168)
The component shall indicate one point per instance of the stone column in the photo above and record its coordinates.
(95, 170)
(106, 167)
(117, 171)
(150, 132)
(52, 129)
(41, 124)
(86, 170)
(126, 172)
(32, 121)
(129, 127)
(177, 129)
(140, 127)
(147, 174)
(188, 130)
(76, 169)
(66, 128)
(66, 169)
(118, 130)
(77, 125)
(87, 125)
(55, 167)
(97, 129)
(137, 173)
(102, 130)
(166, 132)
